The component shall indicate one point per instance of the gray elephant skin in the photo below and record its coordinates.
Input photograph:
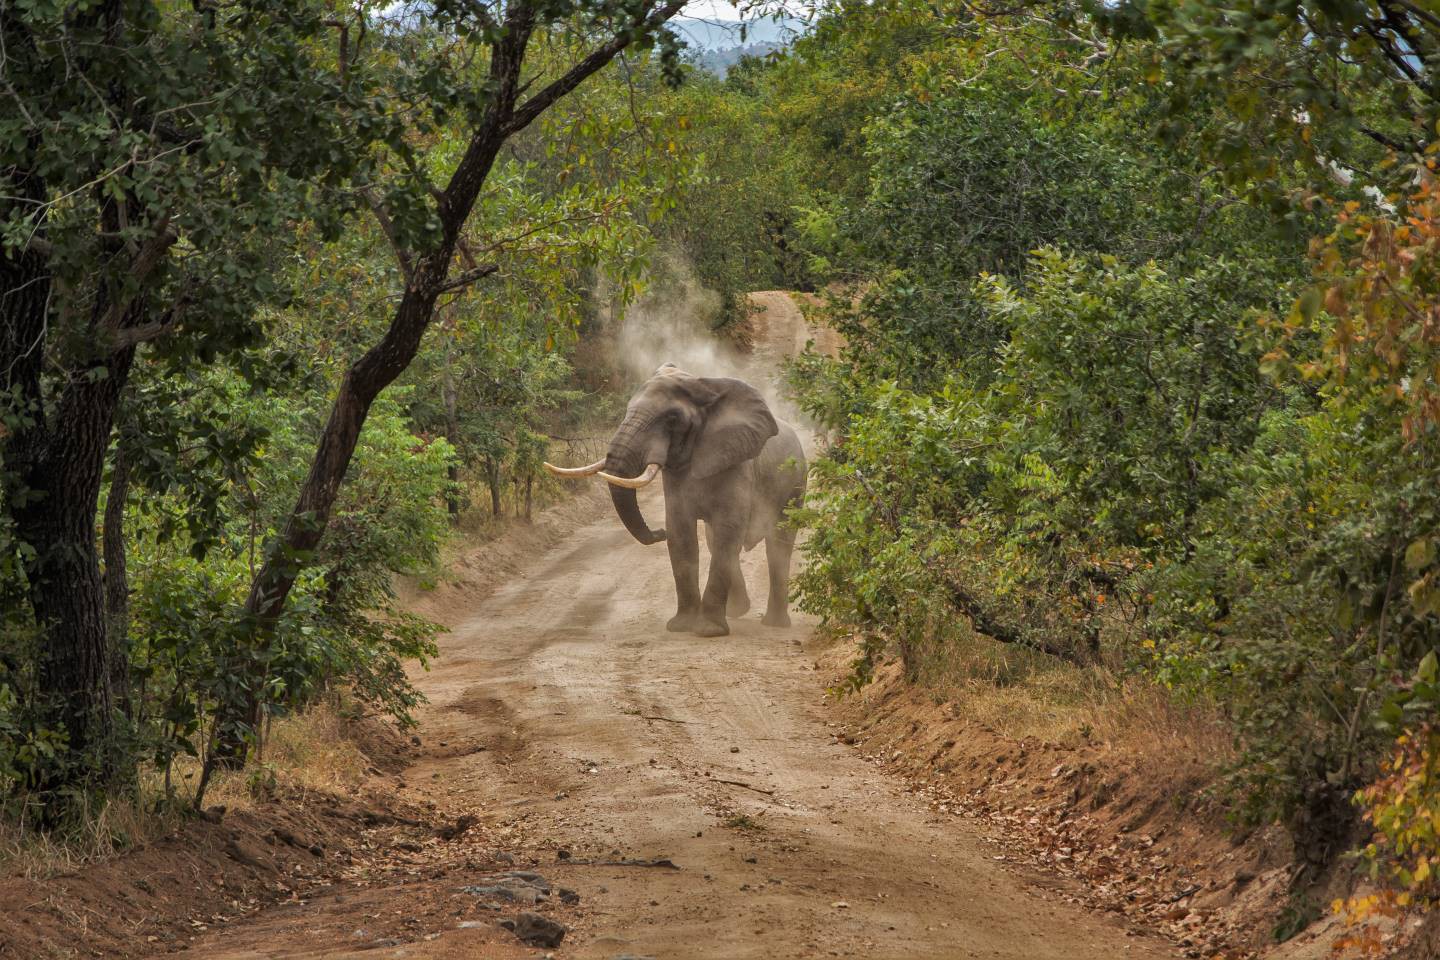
(724, 460)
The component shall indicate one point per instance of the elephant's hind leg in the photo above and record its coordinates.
(737, 604)
(778, 547)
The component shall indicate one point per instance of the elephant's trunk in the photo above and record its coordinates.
(624, 460)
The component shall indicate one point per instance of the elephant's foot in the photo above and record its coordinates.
(710, 628)
(737, 606)
(683, 622)
(776, 618)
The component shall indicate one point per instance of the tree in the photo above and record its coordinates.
(153, 158)
(147, 153)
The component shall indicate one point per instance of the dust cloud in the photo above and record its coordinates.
(674, 322)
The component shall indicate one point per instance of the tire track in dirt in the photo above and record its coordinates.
(608, 737)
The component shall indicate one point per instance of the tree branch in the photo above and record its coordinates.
(468, 277)
(1420, 13)
(966, 602)
(526, 113)
(144, 264)
(134, 336)
(387, 227)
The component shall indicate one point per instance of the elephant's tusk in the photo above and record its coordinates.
(651, 472)
(589, 471)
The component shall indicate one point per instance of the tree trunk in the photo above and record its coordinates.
(492, 479)
(288, 554)
(61, 474)
(450, 397)
(117, 581)
(529, 494)
(55, 462)
(453, 497)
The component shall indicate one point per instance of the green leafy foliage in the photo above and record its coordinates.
(1091, 403)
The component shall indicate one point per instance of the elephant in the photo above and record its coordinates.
(725, 460)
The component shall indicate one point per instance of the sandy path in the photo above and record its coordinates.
(604, 733)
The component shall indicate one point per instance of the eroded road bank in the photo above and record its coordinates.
(581, 734)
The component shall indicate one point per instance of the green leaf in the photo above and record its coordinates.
(1429, 668)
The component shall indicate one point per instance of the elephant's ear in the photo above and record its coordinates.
(737, 424)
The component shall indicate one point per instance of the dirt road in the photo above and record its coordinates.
(565, 716)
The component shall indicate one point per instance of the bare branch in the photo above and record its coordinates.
(469, 277)
(128, 337)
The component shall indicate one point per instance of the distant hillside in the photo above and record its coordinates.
(719, 62)
(709, 34)
(717, 45)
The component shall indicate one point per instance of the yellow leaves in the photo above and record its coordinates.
(1307, 306)
(1379, 279)
(1420, 554)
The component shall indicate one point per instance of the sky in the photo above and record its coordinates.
(711, 10)
(715, 24)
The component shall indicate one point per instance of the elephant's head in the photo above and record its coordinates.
(697, 426)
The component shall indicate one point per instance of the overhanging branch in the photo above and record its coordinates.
(468, 277)
(526, 113)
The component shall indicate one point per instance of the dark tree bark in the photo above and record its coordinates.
(117, 580)
(452, 433)
(54, 464)
(492, 480)
(60, 467)
(65, 404)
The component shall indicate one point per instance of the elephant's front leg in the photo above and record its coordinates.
(684, 546)
(724, 567)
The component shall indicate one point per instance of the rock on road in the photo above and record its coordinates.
(604, 733)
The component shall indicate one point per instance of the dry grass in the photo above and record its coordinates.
(1020, 694)
(311, 751)
(95, 836)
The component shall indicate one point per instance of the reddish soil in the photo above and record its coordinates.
(164, 894)
(1133, 831)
